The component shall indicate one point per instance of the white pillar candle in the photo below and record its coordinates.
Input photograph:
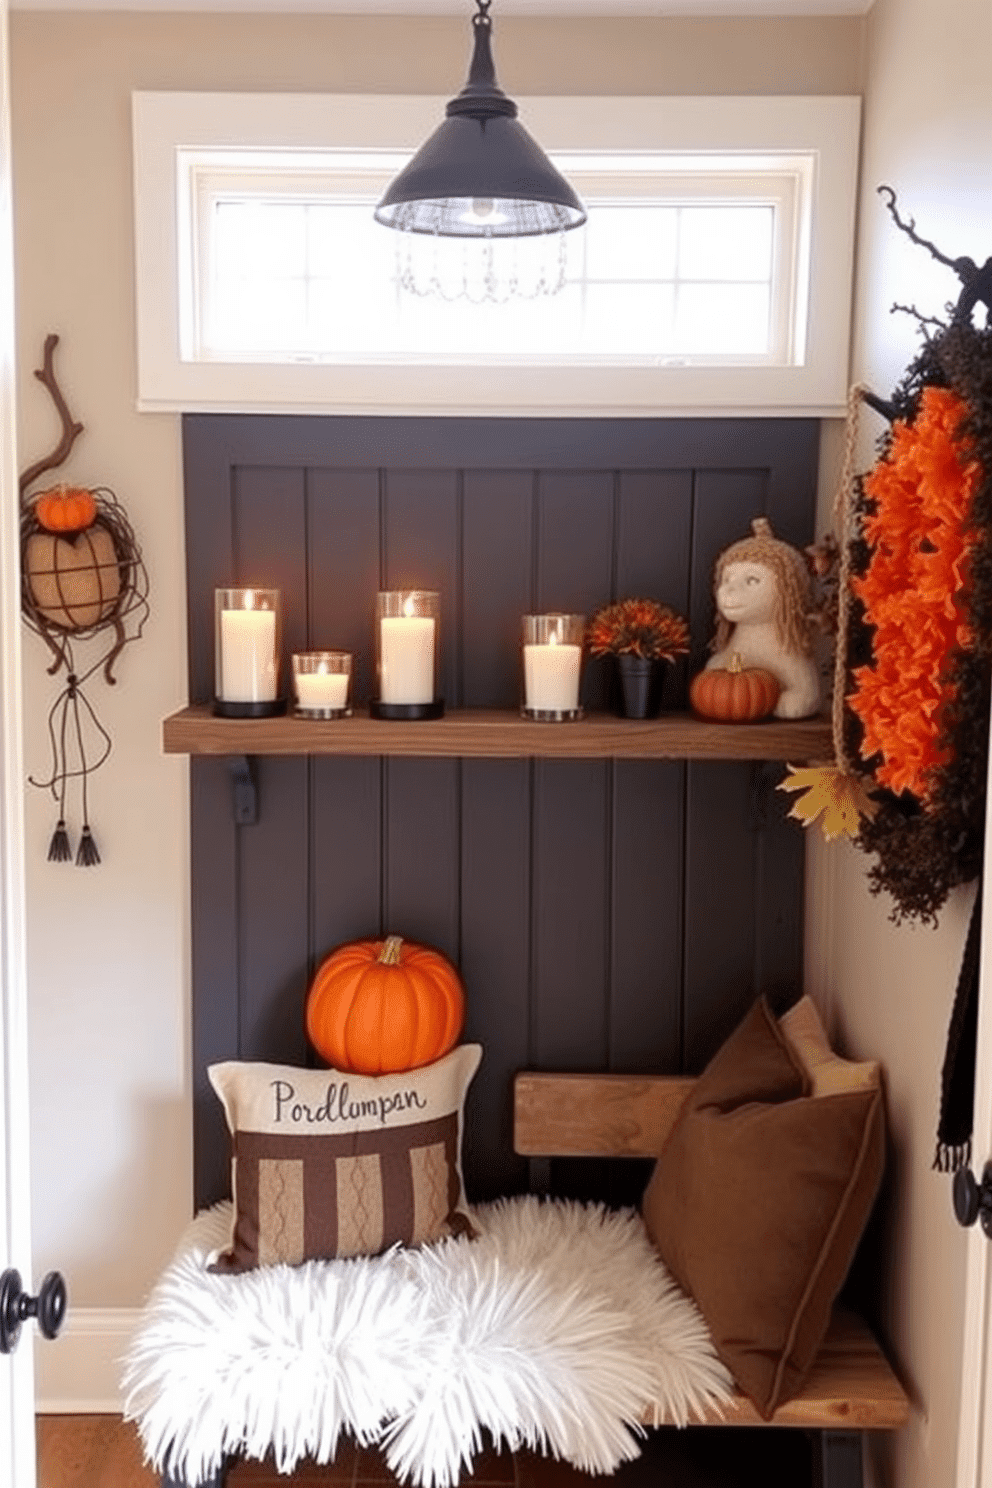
(551, 677)
(322, 689)
(406, 659)
(248, 656)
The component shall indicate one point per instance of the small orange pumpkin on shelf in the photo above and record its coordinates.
(65, 509)
(734, 694)
(380, 1006)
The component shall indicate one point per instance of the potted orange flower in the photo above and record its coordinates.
(643, 635)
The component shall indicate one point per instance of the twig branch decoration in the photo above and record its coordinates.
(976, 282)
(880, 405)
(71, 430)
(82, 575)
(924, 320)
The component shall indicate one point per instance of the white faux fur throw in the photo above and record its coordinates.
(555, 1329)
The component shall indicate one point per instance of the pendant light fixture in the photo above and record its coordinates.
(480, 174)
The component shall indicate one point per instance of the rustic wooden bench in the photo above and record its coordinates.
(852, 1388)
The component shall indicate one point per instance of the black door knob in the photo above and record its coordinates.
(16, 1307)
(973, 1200)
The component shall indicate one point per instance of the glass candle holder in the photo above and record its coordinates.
(321, 681)
(407, 644)
(247, 643)
(552, 666)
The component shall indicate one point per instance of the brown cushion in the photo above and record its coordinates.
(328, 1164)
(758, 1200)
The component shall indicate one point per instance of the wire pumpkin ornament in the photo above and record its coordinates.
(82, 578)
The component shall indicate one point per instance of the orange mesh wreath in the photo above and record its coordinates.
(914, 592)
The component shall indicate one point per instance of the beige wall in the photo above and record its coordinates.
(927, 133)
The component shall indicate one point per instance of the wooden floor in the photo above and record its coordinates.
(103, 1452)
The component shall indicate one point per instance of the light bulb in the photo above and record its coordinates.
(482, 212)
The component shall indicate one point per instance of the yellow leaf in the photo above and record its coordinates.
(836, 797)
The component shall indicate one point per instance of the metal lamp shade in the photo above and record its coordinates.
(480, 178)
(480, 174)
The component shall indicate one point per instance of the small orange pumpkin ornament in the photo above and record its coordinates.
(65, 509)
(735, 694)
(378, 1006)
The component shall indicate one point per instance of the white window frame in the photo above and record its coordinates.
(172, 129)
(781, 183)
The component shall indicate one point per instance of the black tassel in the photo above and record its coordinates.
(87, 856)
(59, 850)
(957, 1093)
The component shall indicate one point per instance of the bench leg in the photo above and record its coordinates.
(216, 1481)
(539, 1175)
(837, 1461)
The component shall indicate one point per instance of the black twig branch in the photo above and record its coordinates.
(924, 320)
(976, 281)
(879, 405)
(909, 228)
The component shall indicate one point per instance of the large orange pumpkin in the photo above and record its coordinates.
(734, 694)
(376, 1006)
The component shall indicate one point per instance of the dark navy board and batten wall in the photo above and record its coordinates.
(604, 914)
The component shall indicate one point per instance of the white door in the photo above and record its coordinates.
(975, 1431)
(17, 1448)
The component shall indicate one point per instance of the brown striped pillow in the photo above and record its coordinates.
(328, 1164)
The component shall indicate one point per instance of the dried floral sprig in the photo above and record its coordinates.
(638, 627)
(823, 562)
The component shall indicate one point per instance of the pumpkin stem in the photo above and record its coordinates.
(736, 664)
(390, 953)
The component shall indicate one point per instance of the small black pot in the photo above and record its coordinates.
(641, 682)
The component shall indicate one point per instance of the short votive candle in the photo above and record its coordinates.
(246, 655)
(321, 683)
(552, 666)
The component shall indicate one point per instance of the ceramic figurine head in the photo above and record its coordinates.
(762, 579)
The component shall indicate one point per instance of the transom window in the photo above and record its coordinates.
(679, 262)
(713, 273)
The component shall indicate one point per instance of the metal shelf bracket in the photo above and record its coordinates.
(244, 789)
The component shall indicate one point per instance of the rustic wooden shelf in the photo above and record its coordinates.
(488, 734)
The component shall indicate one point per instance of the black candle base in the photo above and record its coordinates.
(407, 711)
(273, 709)
(551, 715)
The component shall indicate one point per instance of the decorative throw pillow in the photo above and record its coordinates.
(828, 1073)
(326, 1164)
(758, 1200)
